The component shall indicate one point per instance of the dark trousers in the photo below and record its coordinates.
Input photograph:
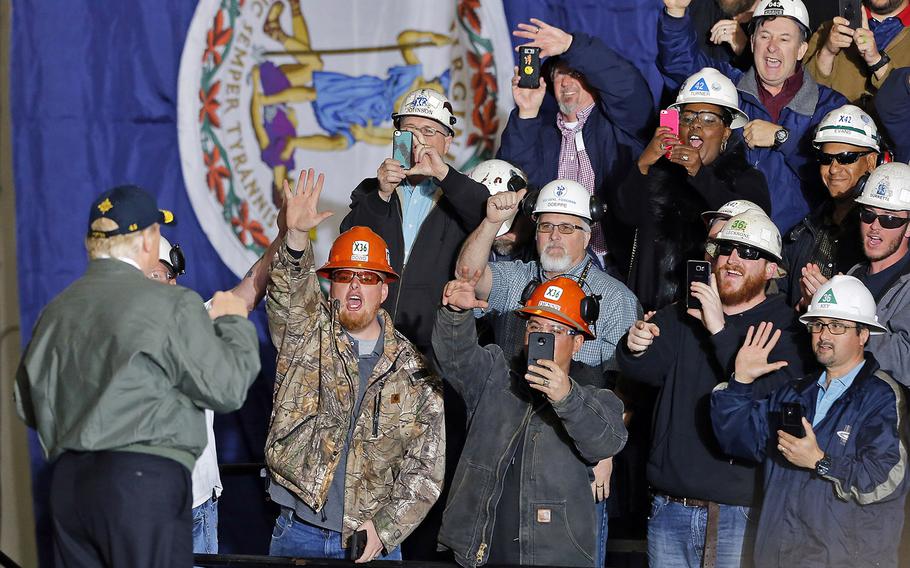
(121, 509)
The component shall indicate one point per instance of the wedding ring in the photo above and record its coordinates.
(685, 158)
(546, 382)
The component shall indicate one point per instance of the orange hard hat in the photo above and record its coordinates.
(359, 247)
(562, 300)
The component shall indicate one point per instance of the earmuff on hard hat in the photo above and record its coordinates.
(178, 261)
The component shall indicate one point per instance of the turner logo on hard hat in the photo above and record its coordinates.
(828, 298)
(553, 293)
(700, 86)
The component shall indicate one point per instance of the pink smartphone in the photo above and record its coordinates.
(670, 119)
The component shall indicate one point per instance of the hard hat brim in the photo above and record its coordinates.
(875, 328)
(740, 118)
(396, 116)
(554, 315)
(328, 267)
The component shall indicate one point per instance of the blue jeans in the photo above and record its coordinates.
(602, 526)
(676, 535)
(205, 528)
(297, 539)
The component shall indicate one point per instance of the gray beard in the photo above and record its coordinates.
(552, 264)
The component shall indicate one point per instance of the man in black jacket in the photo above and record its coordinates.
(686, 353)
(521, 493)
(423, 213)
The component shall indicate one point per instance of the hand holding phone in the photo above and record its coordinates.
(696, 271)
(402, 146)
(528, 67)
(670, 118)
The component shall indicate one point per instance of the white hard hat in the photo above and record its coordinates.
(164, 251)
(564, 196)
(845, 298)
(794, 9)
(730, 209)
(888, 187)
(848, 124)
(171, 256)
(498, 176)
(711, 86)
(428, 104)
(755, 229)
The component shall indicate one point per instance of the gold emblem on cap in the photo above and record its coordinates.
(133, 227)
(168, 216)
(105, 206)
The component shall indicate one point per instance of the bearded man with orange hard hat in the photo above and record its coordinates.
(356, 444)
(535, 431)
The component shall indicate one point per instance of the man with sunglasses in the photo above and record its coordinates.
(824, 243)
(833, 446)
(356, 439)
(701, 499)
(884, 212)
(521, 493)
(586, 121)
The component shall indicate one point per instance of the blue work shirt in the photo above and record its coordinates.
(416, 203)
(827, 396)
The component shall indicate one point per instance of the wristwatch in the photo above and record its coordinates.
(881, 62)
(823, 465)
(781, 136)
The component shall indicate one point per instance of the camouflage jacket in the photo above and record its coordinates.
(396, 460)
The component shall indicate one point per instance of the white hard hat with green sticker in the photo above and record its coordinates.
(844, 298)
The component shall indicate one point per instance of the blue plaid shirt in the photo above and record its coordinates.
(619, 309)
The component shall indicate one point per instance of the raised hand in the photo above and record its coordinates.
(390, 174)
(662, 140)
(459, 294)
(752, 357)
(642, 334)
(840, 37)
(300, 207)
(812, 279)
(550, 39)
(729, 32)
(503, 206)
(528, 101)
(711, 313)
(677, 8)
(427, 161)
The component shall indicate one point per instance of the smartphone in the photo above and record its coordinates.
(357, 543)
(670, 118)
(696, 271)
(850, 10)
(540, 346)
(402, 144)
(529, 67)
(791, 419)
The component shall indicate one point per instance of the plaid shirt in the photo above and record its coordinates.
(618, 309)
(574, 164)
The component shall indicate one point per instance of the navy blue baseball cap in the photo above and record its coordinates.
(130, 207)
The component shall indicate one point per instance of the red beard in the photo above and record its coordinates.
(751, 286)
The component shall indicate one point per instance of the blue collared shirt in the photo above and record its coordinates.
(416, 202)
(827, 396)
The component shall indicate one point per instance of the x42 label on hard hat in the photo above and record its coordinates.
(360, 251)
(553, 293)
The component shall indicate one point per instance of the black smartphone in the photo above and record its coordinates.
(850, 10)
(402, 144)
(528, 67)
(696, 271)
(791, 419)
(357, 543)
(540, 346)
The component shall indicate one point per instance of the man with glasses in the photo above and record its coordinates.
(884, 212)
(424, 213)
(824, 243)
(589, 129)
(833, 447)
(521, 493)
(702, 500)
(356, 439)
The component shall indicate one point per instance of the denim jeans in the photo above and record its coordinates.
(205, 528)
(297, 539)
(602, 519)
(676, 535)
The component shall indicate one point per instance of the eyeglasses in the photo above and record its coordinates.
(834, 327)
(427, 131)
(344, 276)
(705, 117)
(745, 252)
(563, 228)
(161, 275)
(869, 216)
(534, 327)
(844, 158)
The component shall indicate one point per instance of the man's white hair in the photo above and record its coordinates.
(119, 246)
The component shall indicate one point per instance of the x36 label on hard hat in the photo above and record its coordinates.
(553, 293)
(360, 251)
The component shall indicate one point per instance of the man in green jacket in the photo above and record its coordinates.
(115, 380)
